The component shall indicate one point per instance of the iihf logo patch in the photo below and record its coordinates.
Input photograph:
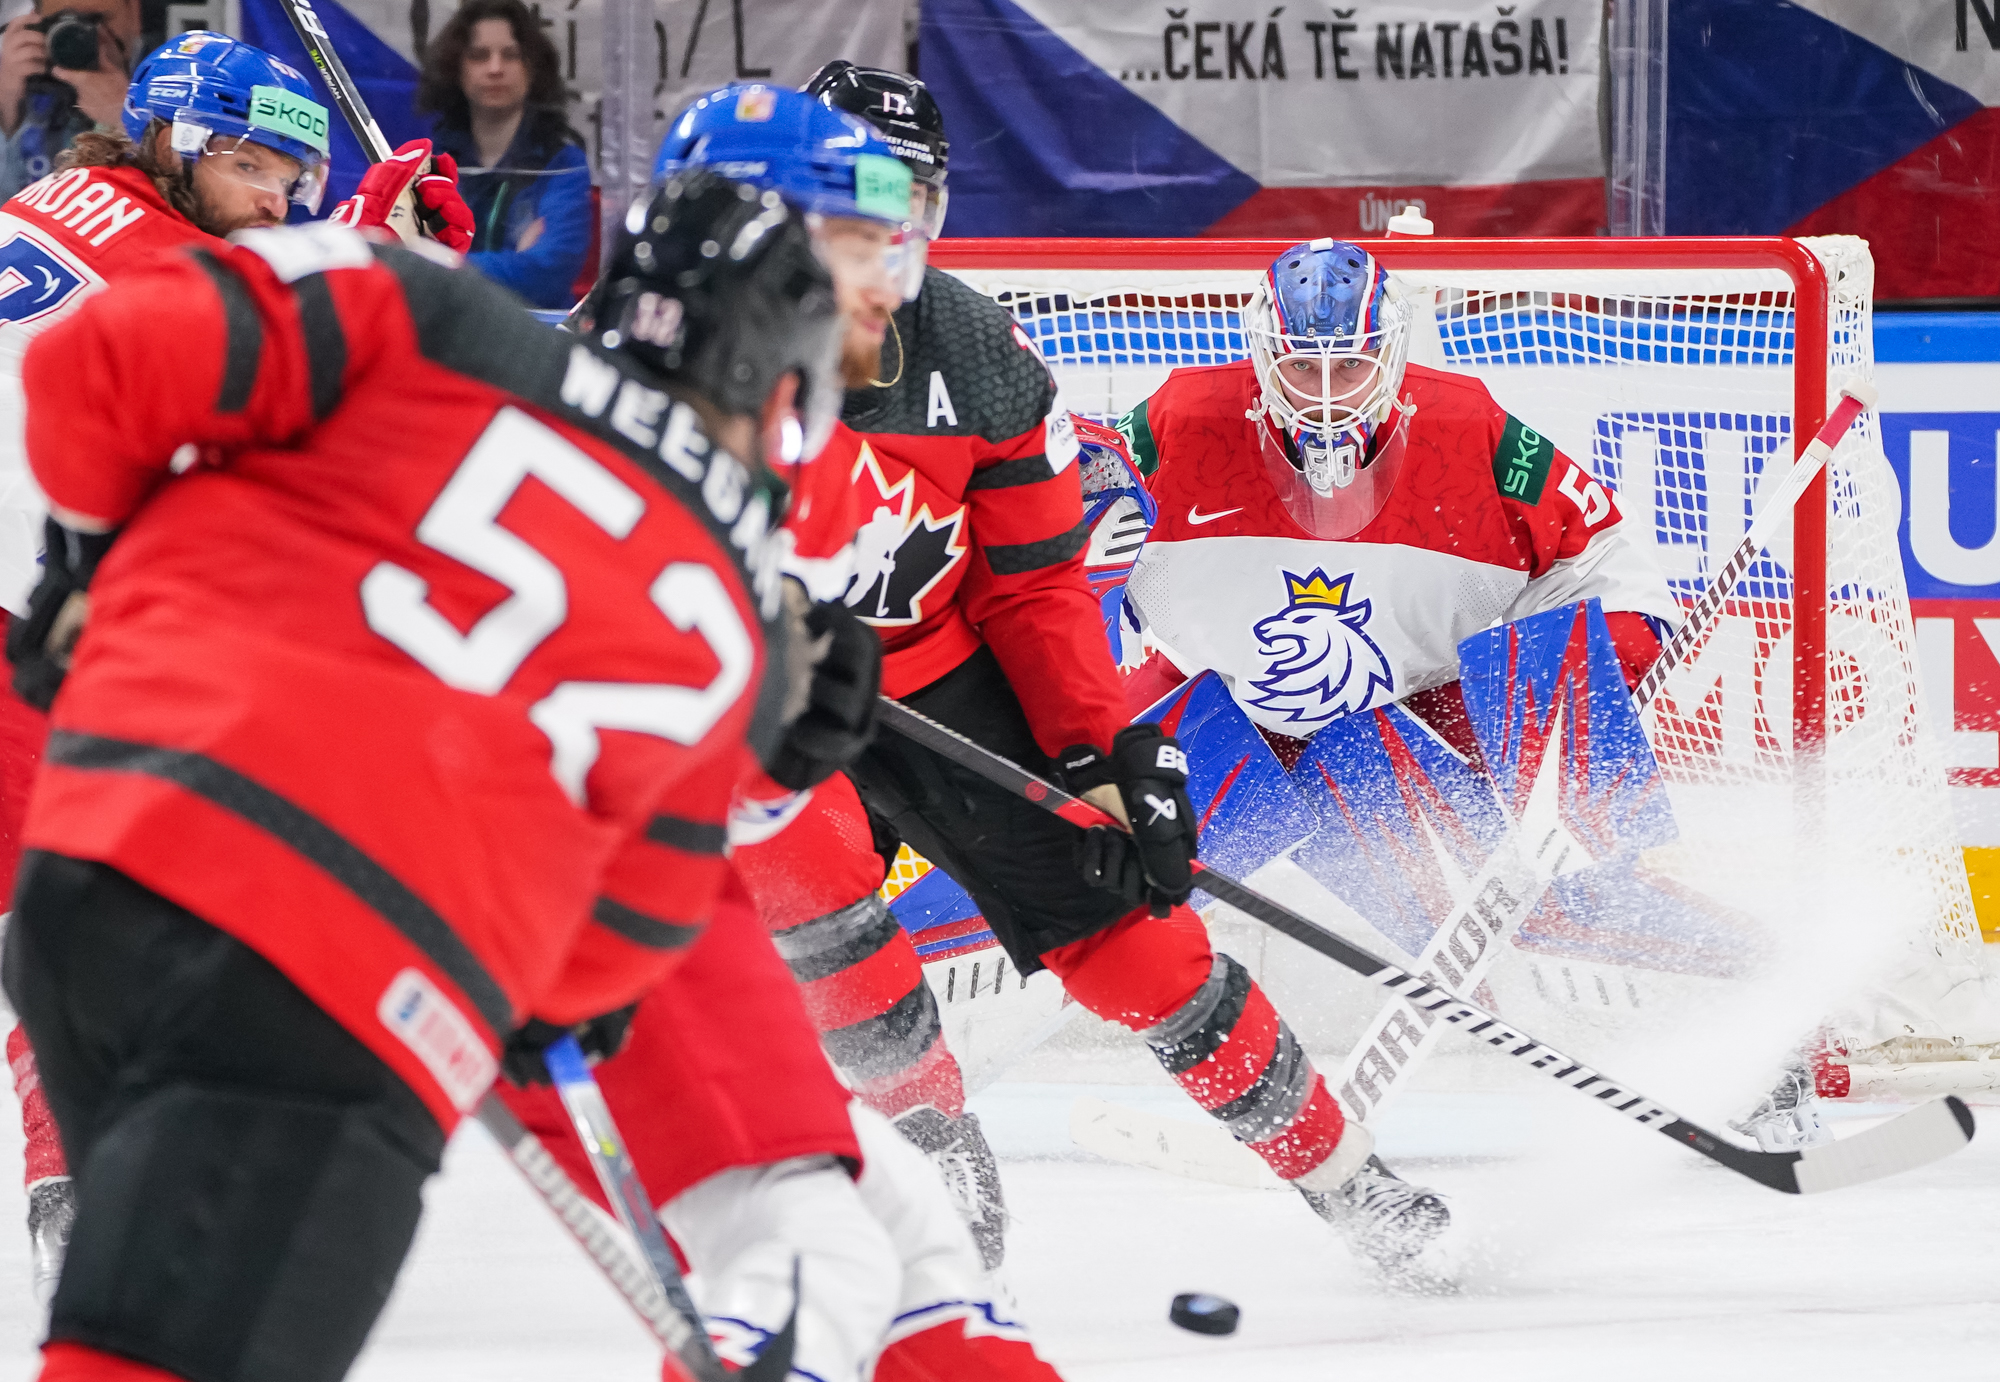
(1321, 664)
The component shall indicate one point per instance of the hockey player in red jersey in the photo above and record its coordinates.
(970, 566)
(432, 738)
(118, 200)
(755, 1156)
(218, 137)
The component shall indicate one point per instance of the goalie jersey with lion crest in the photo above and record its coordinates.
(1334, 521)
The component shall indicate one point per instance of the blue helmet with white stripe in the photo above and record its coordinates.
(1329, 333)
(821, 160)
(207, 84)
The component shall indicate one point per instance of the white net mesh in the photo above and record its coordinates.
(1675, 384)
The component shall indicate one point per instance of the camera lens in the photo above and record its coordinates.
(73, 43)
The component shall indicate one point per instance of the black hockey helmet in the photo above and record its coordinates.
(714, 284)
(902, 108)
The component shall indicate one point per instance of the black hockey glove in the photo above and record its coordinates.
(839, 718)
(1152, 865)
(600, 1037)
(40, 642)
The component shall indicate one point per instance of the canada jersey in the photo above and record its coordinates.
(1487, 522)
(971, 516)
(449, 644)
(61, 239)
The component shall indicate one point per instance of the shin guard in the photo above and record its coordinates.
(878, 1020)
(1213, 1029)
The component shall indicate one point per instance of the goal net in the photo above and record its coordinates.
(1686, 375)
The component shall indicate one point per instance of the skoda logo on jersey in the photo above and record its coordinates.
(1320, 662)
(898, 556)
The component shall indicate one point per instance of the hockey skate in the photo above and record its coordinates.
(1786, 1119)
(1382, 1216)
(963, 1158)
(51, 1213)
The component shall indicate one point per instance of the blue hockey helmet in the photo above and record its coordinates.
(1329, 335)
(206, 84)
(821, 160)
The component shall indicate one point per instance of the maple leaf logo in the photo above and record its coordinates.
(899, 557)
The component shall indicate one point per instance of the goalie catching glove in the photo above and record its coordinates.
(1143, 782)
(432, 183)
(40, 642)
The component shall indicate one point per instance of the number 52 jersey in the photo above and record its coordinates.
(1487, 522)
(431, 676)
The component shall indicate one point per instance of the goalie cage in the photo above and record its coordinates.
(1684, 373)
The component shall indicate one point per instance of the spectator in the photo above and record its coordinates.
(44, 108)
(492, 79)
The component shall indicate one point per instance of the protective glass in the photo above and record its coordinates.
(1335, 511)
(306, 187)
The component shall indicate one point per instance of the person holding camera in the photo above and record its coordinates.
(63, 72)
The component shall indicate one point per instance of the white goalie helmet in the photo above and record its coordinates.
(1329, 335)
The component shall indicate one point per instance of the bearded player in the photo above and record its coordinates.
(959, 436)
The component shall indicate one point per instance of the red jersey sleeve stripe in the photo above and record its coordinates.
(1022, 470)
(245, 346)
(689, 837)
(326, 342)
(310, 838)
(1018, 559)
(634, 925)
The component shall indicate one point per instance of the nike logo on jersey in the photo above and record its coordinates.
(1197, 517)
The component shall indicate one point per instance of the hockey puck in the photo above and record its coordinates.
(1204, 1314)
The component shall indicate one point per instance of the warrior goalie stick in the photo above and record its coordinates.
(679, 1325)
(1509, 886)
(1913, 1139)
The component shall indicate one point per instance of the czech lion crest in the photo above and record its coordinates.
(1321, 664)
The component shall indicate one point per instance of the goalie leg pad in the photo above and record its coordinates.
(1213, 1030)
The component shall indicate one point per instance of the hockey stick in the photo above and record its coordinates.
(403, 217)
(346, 95)
(1918, 1137)
(685, 1336)
(585, 1222)
(1509, 886)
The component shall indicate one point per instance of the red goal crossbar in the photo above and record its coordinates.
(1810, 301)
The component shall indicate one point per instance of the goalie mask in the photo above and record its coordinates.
(1329, 334)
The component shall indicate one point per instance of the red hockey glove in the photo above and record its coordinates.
(432, 182)
(1148, 770)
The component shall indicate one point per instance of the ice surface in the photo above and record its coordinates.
(1593, 1249)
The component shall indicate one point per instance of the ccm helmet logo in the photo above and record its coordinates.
(1172, 760)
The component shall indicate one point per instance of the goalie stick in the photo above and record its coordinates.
(1509, 886)
(1916, 1138)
